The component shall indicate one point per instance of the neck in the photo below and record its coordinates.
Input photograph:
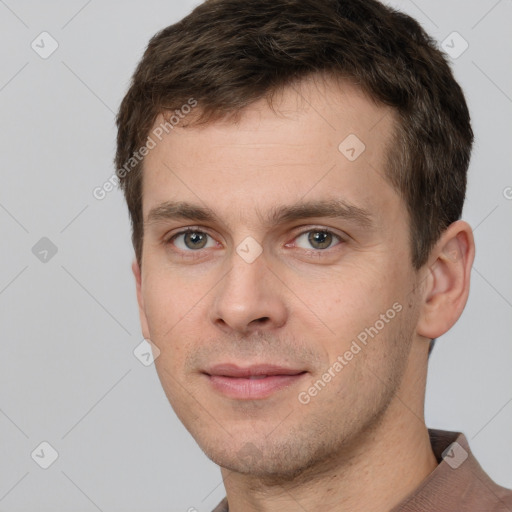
(384, 466)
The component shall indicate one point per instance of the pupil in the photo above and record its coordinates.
(320, 239)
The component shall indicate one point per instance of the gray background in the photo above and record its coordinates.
(70, 324)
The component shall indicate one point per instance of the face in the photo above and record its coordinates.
(277, 279)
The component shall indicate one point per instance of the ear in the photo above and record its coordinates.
(140, 300)
(447, 278)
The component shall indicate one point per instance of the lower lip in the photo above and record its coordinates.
(252, 389)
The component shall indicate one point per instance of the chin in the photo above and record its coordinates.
(270, 463)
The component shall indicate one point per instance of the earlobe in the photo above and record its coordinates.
(447, 287)
(140, 299)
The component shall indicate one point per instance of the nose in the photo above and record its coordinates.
(250, 297)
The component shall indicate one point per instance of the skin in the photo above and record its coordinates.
(361, 443)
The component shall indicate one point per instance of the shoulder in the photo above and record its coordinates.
(503, 501)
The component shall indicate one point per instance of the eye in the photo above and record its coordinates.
(319, 239)
(191, 240)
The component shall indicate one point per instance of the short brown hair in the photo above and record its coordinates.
(227, 54)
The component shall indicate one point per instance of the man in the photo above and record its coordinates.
(295, 173)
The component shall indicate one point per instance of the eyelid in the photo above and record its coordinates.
(321, 229)
(303, 230)
(187, 229)
(187, 254)
(167, 239)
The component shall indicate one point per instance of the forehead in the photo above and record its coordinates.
(321, 140)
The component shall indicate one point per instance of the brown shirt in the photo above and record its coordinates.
(457, 484)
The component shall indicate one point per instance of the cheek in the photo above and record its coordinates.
(165, 308)
(352, 304)
(175, 315)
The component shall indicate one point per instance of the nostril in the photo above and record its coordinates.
(262, 320)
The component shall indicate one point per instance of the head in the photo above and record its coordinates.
(317, 152)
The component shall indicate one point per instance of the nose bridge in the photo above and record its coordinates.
(249, 295)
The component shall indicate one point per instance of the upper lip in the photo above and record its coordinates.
(232, 370)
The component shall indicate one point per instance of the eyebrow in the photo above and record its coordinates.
(332, 208)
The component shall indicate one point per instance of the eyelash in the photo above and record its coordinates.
(196, 254)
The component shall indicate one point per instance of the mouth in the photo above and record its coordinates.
(253, 382)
